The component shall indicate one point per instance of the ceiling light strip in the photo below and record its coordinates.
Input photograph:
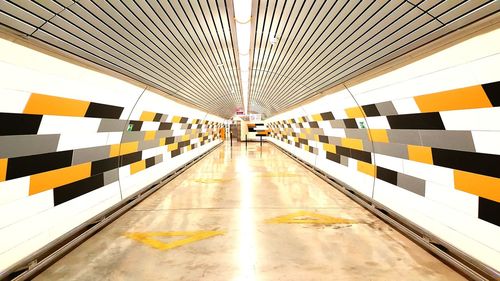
(242, 16)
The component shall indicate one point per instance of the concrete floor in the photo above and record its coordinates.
(248, 215)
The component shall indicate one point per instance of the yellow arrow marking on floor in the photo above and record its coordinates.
(208, 180)
(191, 236)
(306, 217)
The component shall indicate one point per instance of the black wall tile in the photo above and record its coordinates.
(157, 117)
(183, 120)
(150, 162)
(101, 166)
(169, 140)
(327, 116)
(343, 151)
(429, 121)
(371, 110)
(313, 124)
(323, 139)
(73, 190)
(100, 110)
(33, 164)
(387, 175)
(479, 163)
(130, 158)
(165, 126)
(350, 123)
(175, 153)
(493, 92)
(333, 157)
(19, 124)
(136, 125)
(361, 155)
(489, 211)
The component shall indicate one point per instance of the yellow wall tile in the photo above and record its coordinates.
(55, 178)
(354, 112)
(378, 135)
(330, 147)
(185, 137)
(114, 150)
(3, 169)
(137, 166)
(172, 146)
(50, 105)
(420, 154)
(480, 185)
(162, 141)
(147, 116)
(464, 98)
(129, 147)
(150, 135)
(367, 168)
(176, 119)
(317, 117)
(353, 143)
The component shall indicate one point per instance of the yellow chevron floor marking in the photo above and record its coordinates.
(190, 237)
(305, 217)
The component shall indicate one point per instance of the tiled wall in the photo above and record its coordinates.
(423, 140)
(74, 142)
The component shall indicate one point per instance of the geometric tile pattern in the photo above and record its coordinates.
(72, 173)
(420, 137)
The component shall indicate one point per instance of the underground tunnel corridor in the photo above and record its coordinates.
(248, 214)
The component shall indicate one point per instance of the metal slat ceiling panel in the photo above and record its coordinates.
(186, 48)
(324, 43)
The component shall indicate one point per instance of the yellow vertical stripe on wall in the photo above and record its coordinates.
(317, 117)
(484, 186)
(50, 105)
(353, 143)
(354, 112)
(173, 146)
(378, 135)
(150, 135)
(137, 166)
(3, 169)
(330, 147)
(55, 178)
(176, 119)
(464, 98)
(420, 154)
(367, 168)
(147, 116)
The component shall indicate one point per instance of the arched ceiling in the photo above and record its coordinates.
(188, 50)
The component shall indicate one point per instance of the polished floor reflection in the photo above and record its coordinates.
(248, 214)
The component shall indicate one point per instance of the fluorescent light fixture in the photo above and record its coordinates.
(242, 15)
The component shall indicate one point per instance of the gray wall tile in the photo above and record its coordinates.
(89, 154)
(412, 184)
(404, 136)
(391, 149)
(112, 125)
(15, 146)
(386, 108)
(457, 140)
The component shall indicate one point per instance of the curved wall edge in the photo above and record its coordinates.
(74, 142)
(421, 140)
